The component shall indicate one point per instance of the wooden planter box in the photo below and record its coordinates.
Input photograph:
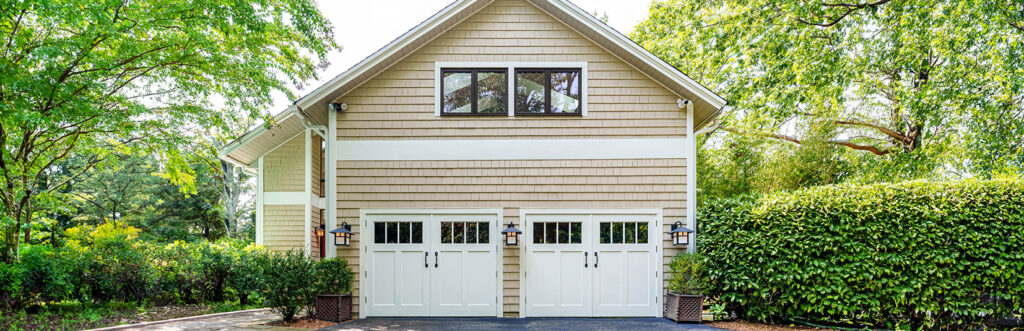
(334, 307)
(684, 308)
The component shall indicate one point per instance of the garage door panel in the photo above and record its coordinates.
(384, 292)
(479, 285)
(639, 279)
(412, 273)
(619, 278)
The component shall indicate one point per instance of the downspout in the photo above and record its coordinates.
(691, 174)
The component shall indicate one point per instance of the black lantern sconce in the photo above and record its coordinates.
(680, 234)
(320, 231)
(511, 235)
(342, 235)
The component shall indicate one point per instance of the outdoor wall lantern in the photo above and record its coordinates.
(320, 231)
(342, 235)
(511, 235)
(680, 234)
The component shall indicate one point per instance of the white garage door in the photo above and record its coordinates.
(431, 264)
(592, 265)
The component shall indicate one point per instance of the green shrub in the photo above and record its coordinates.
(688, 274)
(246, 280)
(10, 285)
(44, 274)
(333, 276)
(889, 255)
(289, 283)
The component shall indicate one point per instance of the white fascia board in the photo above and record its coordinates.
(255, 132)
(624, 42)
(385, 52)
(647, 211)
(511, 149)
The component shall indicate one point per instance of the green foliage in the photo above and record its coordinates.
(912, 254)
(689, 274)
(95, 78)
(935, 87)
(333, 276)
(290, 283)
(246, 277)
(44, 273)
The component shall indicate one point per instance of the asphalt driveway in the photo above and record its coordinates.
(491, 323)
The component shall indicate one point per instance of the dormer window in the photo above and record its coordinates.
(474, 92)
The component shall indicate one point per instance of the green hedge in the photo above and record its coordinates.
(109, 263)
(906, 255)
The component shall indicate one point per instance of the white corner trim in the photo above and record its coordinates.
(308, 179)
(691, 178)
(284, 198)
(512, 149)
(510, 77)
(259, 201)
(331, 182)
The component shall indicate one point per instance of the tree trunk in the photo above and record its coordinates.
(229, 192)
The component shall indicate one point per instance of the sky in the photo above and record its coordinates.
(392, 18)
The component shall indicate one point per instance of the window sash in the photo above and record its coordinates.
(547, 91)
(474, 90)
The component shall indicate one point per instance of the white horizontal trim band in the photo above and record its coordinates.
(511, 149)
(284, 198)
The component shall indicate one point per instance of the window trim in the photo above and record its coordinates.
(547, 91)
(510, 75)
(474, 90)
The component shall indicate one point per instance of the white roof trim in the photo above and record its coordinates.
(385, 52)
(622, 41)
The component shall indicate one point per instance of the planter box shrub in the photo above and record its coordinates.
(684, 307)
(907, 255)
(334, 307)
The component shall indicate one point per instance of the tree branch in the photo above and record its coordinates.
(845, 143)
(850, 9)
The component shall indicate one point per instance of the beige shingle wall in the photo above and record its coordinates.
(283, 227)
(284, 167)
(399, 104)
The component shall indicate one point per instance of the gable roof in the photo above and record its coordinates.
(313, 106)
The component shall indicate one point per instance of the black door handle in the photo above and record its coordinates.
(435, 259)
(425, 255)
(596, 259)
(585, 259)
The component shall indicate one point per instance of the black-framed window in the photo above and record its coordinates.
(472, 91)
(549, 91)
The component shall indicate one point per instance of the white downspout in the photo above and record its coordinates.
(259, 201)
(331, 184)
(308, 179)
(691, 176)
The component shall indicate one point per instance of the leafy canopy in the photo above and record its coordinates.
(915, 87)
(90, 77)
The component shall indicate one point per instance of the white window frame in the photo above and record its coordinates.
(511, 66)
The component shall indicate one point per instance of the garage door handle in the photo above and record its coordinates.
(596, 259)
(425, 255)
(585, 259)
(435, 259)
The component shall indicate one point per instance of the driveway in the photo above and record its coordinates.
(492, 323)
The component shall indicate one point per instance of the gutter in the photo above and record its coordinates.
(713, 119)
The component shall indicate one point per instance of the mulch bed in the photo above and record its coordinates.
(742, 325)
(96, 318)
(305, 322)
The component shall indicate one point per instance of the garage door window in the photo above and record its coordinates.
(465, 232)
(557, 232)
(397, 233)
(623, 232)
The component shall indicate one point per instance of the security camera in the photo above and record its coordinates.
(338, 106)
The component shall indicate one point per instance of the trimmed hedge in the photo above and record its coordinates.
(908, 255)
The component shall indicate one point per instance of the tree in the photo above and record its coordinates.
(87, 77)
(915, 87)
